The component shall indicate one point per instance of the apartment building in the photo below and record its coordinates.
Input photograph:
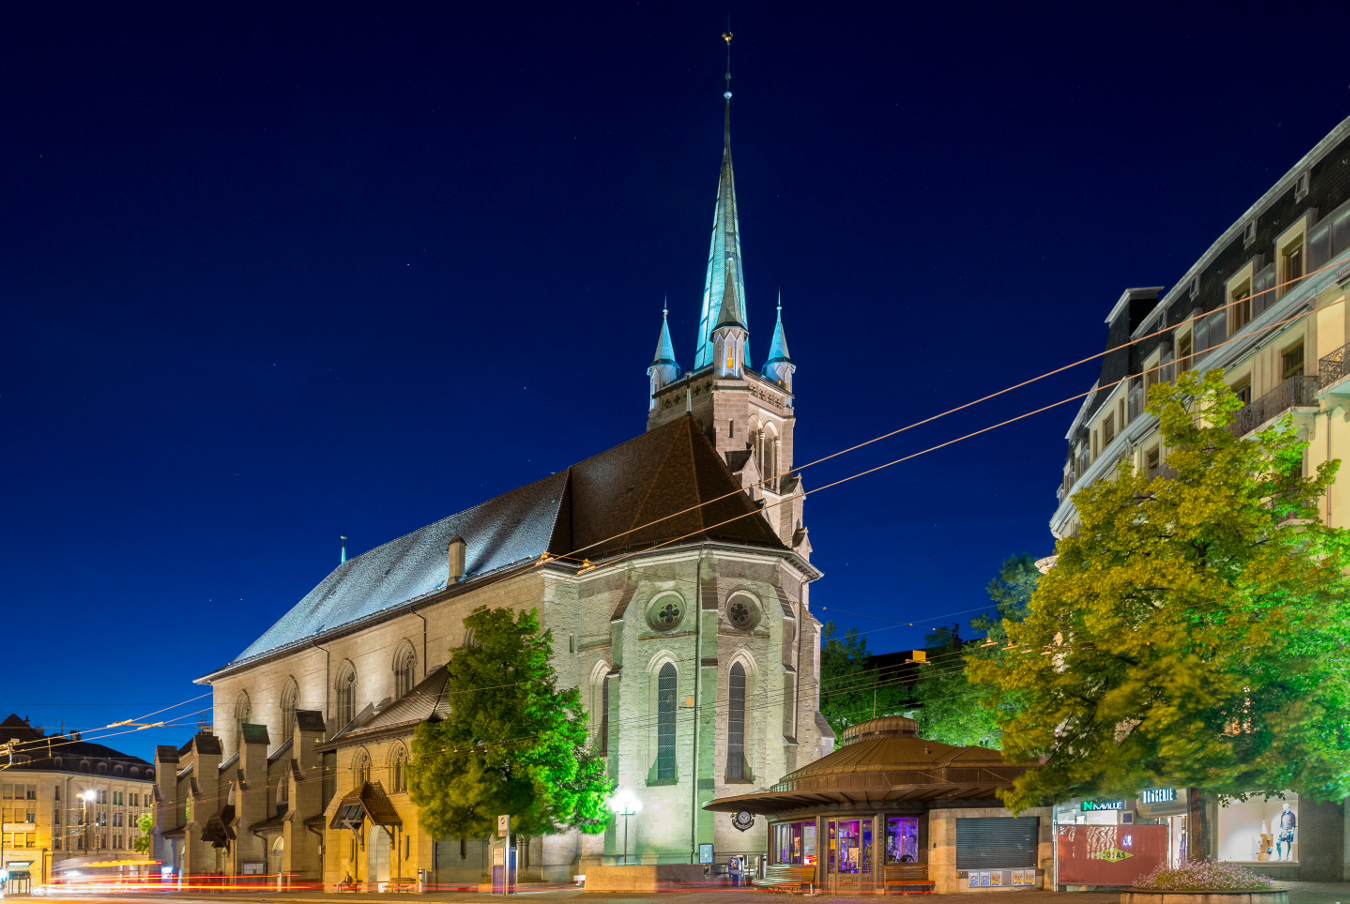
(64, 798)
(1266, 303)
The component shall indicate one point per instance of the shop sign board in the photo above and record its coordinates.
(1157, 795)
(1090, 806)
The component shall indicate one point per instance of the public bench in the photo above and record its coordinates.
(785, 876)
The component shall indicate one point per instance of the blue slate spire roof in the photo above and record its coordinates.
(724, 256)
(665, 349)
(778, 350)
(733, 312)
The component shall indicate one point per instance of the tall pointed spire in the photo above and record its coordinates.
(724, 255)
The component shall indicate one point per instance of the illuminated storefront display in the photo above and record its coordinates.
(902, 840)
(796, 842)
(1260, 829)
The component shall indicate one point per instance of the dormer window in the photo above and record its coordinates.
(1301, 185)
(1249, 234)
(1195, 286)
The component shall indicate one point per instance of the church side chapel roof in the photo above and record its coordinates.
(428, 701)
(598, 507)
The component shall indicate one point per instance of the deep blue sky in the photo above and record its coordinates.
(271, 273)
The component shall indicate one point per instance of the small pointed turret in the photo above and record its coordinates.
(663, 370)
(730, 334)
(779, 366)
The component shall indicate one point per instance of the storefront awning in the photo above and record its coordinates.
(370, 802)
(769, 802)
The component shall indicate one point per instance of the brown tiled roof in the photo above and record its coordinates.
(887, 762)
(654, 489)
(428, 701)
(374, 801)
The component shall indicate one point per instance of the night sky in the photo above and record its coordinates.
(270, 274)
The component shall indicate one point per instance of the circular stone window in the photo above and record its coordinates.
(666, 613)
(742, 612)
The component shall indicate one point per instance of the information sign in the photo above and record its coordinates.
(1091, 805)
(705, 853)
(503, 826)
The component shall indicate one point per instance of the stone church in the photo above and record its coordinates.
(673, 571)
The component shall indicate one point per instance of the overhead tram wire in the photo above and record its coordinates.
(993, 395)
(572, 555)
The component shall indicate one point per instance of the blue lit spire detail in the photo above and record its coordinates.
(778, 350)
(724, 255)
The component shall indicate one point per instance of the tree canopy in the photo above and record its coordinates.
(950, 708)
(852, 689)
(1193, 632)
(512, 743)
(145, 824)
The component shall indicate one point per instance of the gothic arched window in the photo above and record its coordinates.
(398, 759)
(405, 670)
(736, 723)
(288, 698)
(666, 688)
(360, 769)
(346, 695)
(243, 709)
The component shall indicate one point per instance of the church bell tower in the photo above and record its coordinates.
(748, 415)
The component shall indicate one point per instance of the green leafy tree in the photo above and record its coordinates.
(512, 743)
(953, 710)
(851, 689)
(141, 843)
(1193, 632)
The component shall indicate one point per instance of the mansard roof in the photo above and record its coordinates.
(37, 751)
(647, 491)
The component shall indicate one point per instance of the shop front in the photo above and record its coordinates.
(890, 811)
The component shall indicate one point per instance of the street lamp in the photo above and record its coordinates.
(86, 799)
(625, 803)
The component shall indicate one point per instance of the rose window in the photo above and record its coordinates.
(668, 616)
(740, 614)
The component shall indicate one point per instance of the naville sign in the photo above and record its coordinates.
(1090, 805)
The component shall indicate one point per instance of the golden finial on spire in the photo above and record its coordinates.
(726, 36)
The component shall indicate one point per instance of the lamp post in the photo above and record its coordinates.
(85, 799)
(625, 803)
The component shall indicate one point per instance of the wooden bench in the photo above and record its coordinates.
(401, 885)
(786, 875)
(908, 876)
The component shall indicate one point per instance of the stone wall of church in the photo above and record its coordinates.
(698, 611)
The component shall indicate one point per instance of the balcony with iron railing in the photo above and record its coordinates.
(1332, 370)
(1295, 392)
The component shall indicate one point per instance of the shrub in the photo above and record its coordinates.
(1204, 875)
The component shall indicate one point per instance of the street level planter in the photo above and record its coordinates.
(1168, 896)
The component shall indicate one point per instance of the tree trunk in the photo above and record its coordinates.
(1197, 825)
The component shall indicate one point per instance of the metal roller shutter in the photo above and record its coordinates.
(997, 842)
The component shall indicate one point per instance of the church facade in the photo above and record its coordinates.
(673, 571)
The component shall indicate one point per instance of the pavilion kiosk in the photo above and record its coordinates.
(890, 811)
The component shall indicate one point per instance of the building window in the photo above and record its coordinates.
(602, 741)
(243, 709)
(1241, 307)
(397, 760)
(665, 723)
(1096, 449)
(1243, 390)
(1152, 461)
(288, 698)
(1185, 351)
(360, 769)
(405, 670)
(736, 723)
(1120, 407)
(346, 695)
(1249, 234)
(1195, 286)
(1301, 185)
(1291, 264)
(1108, 430)
(1291, 361)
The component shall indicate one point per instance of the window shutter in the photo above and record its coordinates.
(997, 842)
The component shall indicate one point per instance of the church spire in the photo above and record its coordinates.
(724, 255)
(663, 370)
(779, 366)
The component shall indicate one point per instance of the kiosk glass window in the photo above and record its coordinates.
(795, 843)
(902, 839)
(851, 846)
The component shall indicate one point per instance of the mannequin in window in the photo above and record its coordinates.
(1284, 837)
